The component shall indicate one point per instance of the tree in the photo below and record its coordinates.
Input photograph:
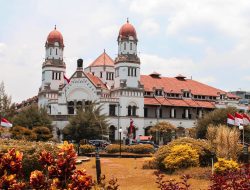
(164, 130)
(33, 116)
(42, 133)
(7, 109)
(88, 123)
(216, 117)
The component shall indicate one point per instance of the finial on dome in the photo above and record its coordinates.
(55, 27)
(127, 20)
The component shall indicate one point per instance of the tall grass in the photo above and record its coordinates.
(224, 141)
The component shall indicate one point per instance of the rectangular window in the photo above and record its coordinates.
(145, 112)
(100, 74)
(112, 110)
(130, 46)
(135, 72)
(128, 71)
(124, 46)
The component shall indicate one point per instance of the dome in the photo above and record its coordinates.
(127, 30)
(55, 36)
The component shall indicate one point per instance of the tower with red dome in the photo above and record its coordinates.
(53, 67)
(127, 63)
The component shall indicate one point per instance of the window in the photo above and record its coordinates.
(50, 51)
(100, 74)
(110, 76)
(71, 107)
(43, 76)
(112, 110)
(56, 51)
(132, 71)
(160, 114)
(145, 112)
(134, 110)
(131, 46)
(124, 46)
(56, 75)
(129, 110)
(93, 73)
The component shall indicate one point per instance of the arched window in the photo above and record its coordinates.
(50, 51)
(71, 107)
(79, 105)
(112, 133)
(129, 110)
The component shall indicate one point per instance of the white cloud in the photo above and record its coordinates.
(166, 66)
(150, 27)
(195, 40)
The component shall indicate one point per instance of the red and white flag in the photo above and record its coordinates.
(230, 119)
(5, 123)
(246, 119)
(66, 80)
(238, 119)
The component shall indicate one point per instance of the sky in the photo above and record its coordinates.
(206, 40)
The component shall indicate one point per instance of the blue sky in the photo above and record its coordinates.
(208, 40)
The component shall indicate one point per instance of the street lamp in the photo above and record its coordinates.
(245, 146)
(120, 137)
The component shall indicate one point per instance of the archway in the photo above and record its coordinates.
(147, 131)
(112, 133)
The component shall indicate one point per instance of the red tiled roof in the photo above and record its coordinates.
(173, 85)
(96, 81)
(151, 101)
(178, 102)
(103, 59)
(230, 95)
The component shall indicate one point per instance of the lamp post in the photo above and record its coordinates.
(241, 127)
(98, 165)
(120, 138)
(245, 146)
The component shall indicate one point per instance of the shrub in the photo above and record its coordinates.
(42, 133)
(181, 156)
(149, 163)
(224, 165)
(114, 148)
(22, 133)
(202, 146)
(141, 148)
(87, 148)
(30, 150)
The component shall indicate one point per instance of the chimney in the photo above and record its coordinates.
(79, 65)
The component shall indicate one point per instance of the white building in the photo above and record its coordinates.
(119, 86)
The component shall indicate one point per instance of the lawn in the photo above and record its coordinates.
(130, 174)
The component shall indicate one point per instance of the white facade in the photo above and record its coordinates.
(117, 87)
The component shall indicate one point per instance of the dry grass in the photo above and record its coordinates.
(131, 176)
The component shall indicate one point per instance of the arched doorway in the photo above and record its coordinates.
(112, 133)
(147, 131)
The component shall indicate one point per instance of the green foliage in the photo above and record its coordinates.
(149, 163)
(87, 148)
(22, 133)
(216, 117)
(114, 148)
(141, 149)
(7, 109)
(30, 150)
(87, 124)
(201, 146)
(181, 156)
(136, 149)
(164, 130)
(224, 165)
(42, 133)
(31, 117)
